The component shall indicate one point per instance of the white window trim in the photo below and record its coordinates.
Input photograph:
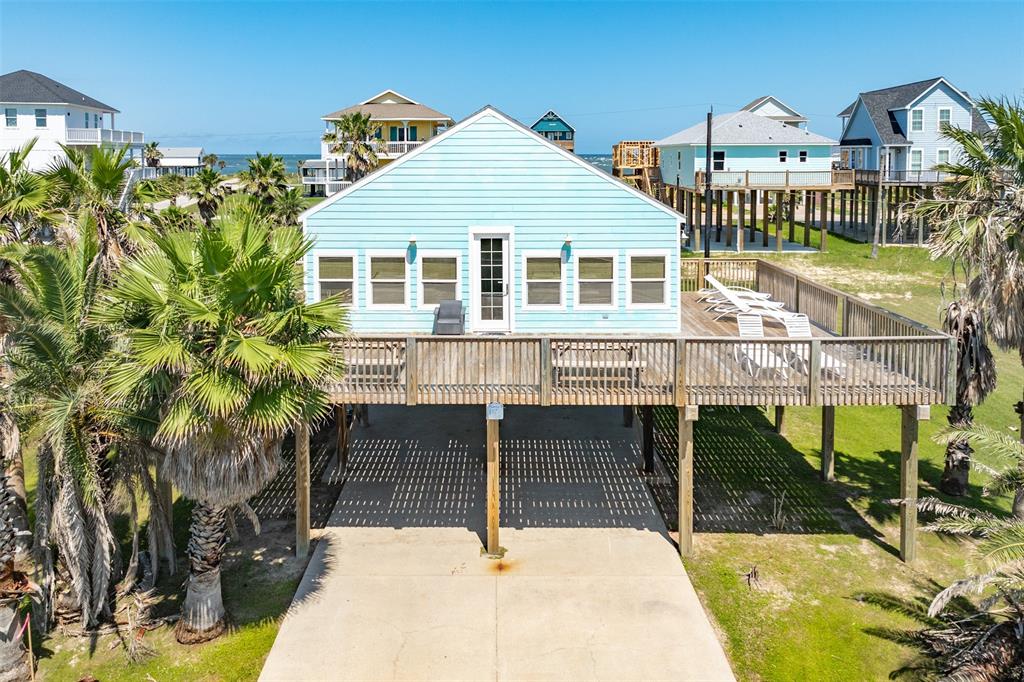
(938, 117)
(15, 110)
(725, 158)
(46, 118)
(783, 156)
(431, 253)
(317, 255)
(803, 155)
(910, 160)
(949, 155)
(629, 280)
(477, 232)
(614, 305)
(387, 253)
(543, 253)
(910, 123)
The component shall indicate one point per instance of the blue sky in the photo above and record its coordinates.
(245, 76)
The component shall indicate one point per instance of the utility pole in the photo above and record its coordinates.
(707, 189)
(883, 168)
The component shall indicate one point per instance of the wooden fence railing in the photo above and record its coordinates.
(783, 179)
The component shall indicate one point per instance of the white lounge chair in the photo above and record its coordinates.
(742, 292)
(798, 326)
(730, 304)
(757, 358)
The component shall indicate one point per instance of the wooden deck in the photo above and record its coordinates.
(859, 354)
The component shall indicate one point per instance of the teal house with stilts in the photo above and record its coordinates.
(553, 127)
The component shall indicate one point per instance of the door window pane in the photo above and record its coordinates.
(647, 280)
(596, 279)
(387, 280)
(544, 281)
(439, 280)
(492, 279)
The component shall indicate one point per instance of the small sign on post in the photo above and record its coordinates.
(495, 411)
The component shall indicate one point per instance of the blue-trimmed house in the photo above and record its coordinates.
(531, 238)
(554, 127)
(741, 142)
(900, 127)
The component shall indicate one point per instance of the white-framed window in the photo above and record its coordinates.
(87, 119)
(11, 117)
(803, 156)
(595, 280)
(945, 116)
(941, 156)
(718, 160)
(439, 277)
(95, 120)
(916, 159)
(916, 120)
(336, 274)
(40, 118)
(647, 280)
(387, 279)
(783, 155)
(544, 279)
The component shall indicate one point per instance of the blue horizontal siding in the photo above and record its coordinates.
(491, 174)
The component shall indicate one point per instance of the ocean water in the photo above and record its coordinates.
(239, 162)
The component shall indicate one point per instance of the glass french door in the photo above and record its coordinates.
(491, 277)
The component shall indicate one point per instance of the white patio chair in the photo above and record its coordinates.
(730, 304)
(757, 358)
(798, 326)
(741, 292)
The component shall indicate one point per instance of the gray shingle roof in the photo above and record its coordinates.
(743, 127)
(29, 87)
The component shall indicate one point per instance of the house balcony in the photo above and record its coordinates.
(103, 136)
(392, 150)
(901, 177)
(818, 180)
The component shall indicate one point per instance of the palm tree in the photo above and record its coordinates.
(152, 154)
(217, 329)
(356, 134)
(210, 160)
(92, 461)
(288, 206)
(24, 196)
(977, 221)
(975, 379)
(265, 178)
(91, 184)
(205, 187)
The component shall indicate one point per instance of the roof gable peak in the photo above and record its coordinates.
(389, 97)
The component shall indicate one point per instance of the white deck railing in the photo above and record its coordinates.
(101, 135)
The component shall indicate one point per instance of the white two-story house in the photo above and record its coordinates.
(899, 129)
(36, 106)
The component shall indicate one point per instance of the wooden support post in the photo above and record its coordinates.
(764, 218)
(687, 416)
(741, 225)
(647, 414)
(718, 216)
(341, 421)
(780, 420)
(842, 211)
(301, 489)
(911, 416)
(493, 488)
(697, 223)
(778, 221)
(627, 416)
(829, 201)
(753, 215)
(728, 219)
(828, 443)
(792, 216)
(808, 216)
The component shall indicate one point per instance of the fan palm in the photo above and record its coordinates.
(216, 327)
(152, 154)
(89, 185)
(975, 379)
(205, 187)
(92, 461)
(288, 206)
(24, 196)
(265, 178)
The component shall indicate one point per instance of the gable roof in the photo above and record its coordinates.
(493, 111)
(794, 114)
(391, 106)
(744, 127)
(551, 121)
(880, 105)
(29, 87)
(181, 151)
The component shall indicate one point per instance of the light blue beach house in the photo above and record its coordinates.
(529, 237)
(899, 129)
(743, 144)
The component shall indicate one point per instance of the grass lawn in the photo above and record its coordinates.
(801, 618)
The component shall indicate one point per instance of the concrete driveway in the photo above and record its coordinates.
(591, 587)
